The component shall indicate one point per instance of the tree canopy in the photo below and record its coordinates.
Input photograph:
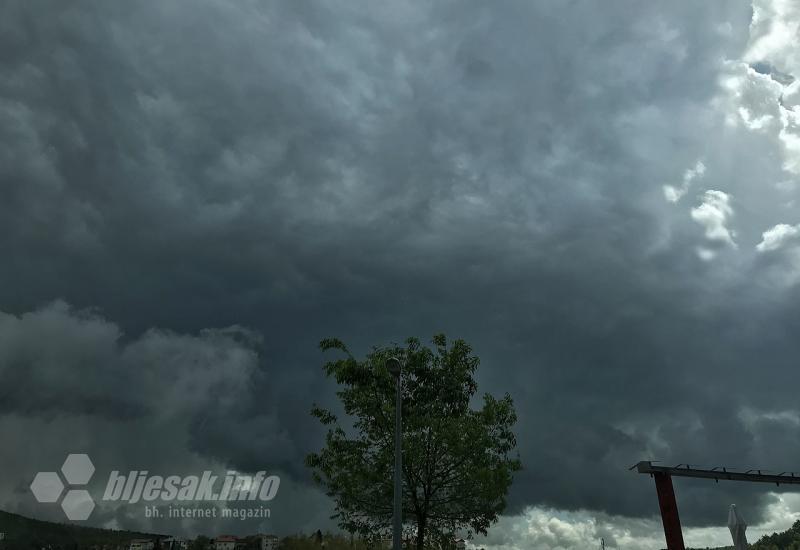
(458, 459)
(787, 540)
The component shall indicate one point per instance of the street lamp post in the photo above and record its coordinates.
(394, 366)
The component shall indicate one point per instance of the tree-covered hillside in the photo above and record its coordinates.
(788, 540)
(23, 533)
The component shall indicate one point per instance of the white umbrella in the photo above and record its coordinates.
(737, 526)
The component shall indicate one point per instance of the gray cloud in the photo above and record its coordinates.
(167, 403)
(372, 171)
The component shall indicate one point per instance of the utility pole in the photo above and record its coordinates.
(395, 368)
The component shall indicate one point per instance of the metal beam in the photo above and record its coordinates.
(685, 470)
(669, 511)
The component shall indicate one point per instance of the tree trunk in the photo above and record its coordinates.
(420, 533)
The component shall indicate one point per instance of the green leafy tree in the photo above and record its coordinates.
(785, 540)
(201, 543)
(458, 461)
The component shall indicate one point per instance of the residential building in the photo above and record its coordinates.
(225, 542)
(269, 542)
(173, 543)
(142, 544)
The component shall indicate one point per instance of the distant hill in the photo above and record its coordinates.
(23, 533)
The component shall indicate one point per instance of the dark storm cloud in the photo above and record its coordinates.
(377, 170)
(166, 403)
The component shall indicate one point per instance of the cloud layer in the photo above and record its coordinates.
(602, 200)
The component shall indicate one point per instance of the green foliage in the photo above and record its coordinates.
(788, 540)
(201, 543)
(457, 460)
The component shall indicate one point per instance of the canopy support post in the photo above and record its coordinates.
(669, 511)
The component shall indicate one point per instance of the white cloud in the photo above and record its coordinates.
(549, 528)
(705, 254)
(790, 134)
(552, 529)
(773, 32)
(769, 103)
(713, 214)
(781, 242)
(674, 194)
(777, 236)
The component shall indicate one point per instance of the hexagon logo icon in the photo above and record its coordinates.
(77, 469)
(77, 505)
(47, 487)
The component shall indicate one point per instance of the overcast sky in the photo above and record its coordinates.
(601, 197)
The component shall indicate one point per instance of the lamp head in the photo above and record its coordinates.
(393, 365)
